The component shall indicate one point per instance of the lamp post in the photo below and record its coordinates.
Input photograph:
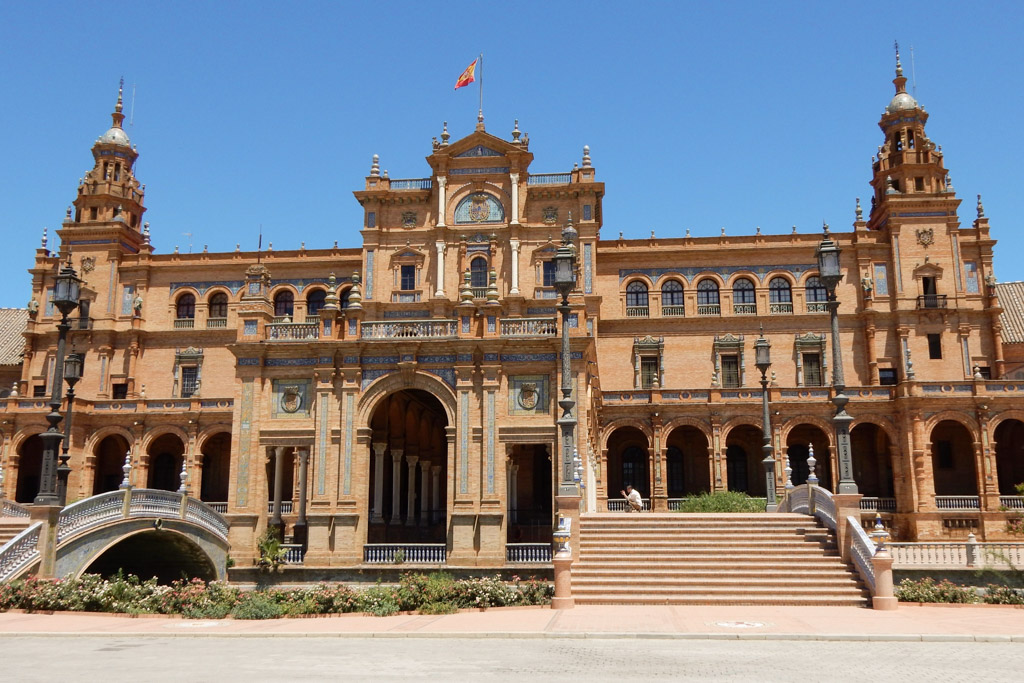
(763, 361)
(65, 298)
(565, 280)
(72, 373)
(830, 273)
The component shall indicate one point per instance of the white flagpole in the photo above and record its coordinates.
(480, 65)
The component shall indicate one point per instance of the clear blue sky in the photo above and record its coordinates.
(698, 115)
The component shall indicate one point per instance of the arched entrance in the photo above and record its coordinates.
(216, 463)
(110, 454)
(953, 460)
(872, 466)
(164, 554)
(30, 466)
(408, 482)
(628, 457)
(743, 460)
(165, 457)
(530, 493)
(796, 448)
(1010, 456)
(688, 471)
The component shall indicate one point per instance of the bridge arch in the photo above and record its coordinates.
(162, 552)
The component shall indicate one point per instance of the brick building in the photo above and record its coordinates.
(405, 390)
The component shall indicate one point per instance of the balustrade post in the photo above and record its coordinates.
(884, 597)
(972, 549)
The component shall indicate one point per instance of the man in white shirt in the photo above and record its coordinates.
(633, 500)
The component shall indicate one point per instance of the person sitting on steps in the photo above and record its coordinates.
(633, 501)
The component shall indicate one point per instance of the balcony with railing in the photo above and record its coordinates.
(405, 553)
(412, 184)
(479, 292)
(292, 331)
(286, 507)
(406, 329)
(549, 179)
(744, 309)
(293, 553)
(673, 311)
(1012, 502)
(817, 307)
(877, 504)
(780, 308)
(709, 309)
(620, 504)
(527, 553)
(529, 327)
(931, 301)
(184, 323)
(958, 502)
(637, 311)
(216, 323)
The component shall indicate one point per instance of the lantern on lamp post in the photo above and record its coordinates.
(763, 361)
(564, 282)
(72, 373)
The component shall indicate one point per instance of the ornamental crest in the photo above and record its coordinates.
(926, 237)
(550, 215)
(479, 209)
(409, 219)
(291, 399)
(88, 264)
(528, 395)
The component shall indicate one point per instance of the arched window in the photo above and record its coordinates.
(636, 299)
(816, 291)
(219, 305)
(284, 303)
(743, 291)
(479, 208)
(186, 307)
(779, 291)
(315, 301)
(344, 297)
(707, 297)
(672, 293)
(478, 272)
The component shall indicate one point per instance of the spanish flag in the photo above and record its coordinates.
(467, 76)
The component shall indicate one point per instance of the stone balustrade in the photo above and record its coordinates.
(529, 327)
(404, 329)
(408, 553)
(527, 553)
(292, 331)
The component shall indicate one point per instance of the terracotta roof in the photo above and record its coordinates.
(1011, 298)
(12, 324)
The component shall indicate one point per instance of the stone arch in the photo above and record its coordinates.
(954, 466)
(1002, 416)
(738, 421)
(215, 466)
(963, 418)
(743, 275)
(210, 431)
(30, 468)
(684, 421)
(628, 450)
(665, 277)
(108, 456)
(709, 275)
(687, 458)
(381, 387)
(161, 430)
(144, 551)
(1008, 444)
(880, 421)
(784, 274)
(638, 423)
(742, 443)
(165, 454)
(797, 435)
(871, 448)
(821, 423)
(96, 437)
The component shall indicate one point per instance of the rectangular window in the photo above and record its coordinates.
(881, 280)
(648, 371)
(887, 377)
(985, 371)
(39, 391)
(919, 184)
(189, 378)
(935, 346)
(92, 213)
(944, 455)
(371, 219)
(588, 212)
(48, 311)
(812, 369)
(120, 391)
(549, 274)
(971, 269)
(127, 296)
(408, 278)
(730, 371)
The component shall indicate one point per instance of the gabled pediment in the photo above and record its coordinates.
(408, 255)
(479, 151)
(927, 269)
(482, 145)
(544, 252)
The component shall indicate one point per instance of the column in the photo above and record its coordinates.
(300, 523)
(515, 198)
(440, 246)
(442, 182)
(275, 519)
(410, 509)
(513, 493)
(514, 291)
(396, 486)
(378, 483)
(435, 491)
(424, 492)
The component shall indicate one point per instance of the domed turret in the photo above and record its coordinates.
(116, 135)
(902, 100)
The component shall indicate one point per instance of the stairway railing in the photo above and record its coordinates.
(862, 550)
(20, 552)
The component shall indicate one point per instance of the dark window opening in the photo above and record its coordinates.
(815, 290)
(935, 346)
(189, 380)
(219, 305)
(649, 371)
(93, 213)
(743, 292)
(636, 294)
(985, 372)
(186, 306)
(371, 219)
(919, 184)
(887, 376)
(548, 274)
(119, 391)
(707, 293)
(730, 371)
(39, 391)
(284, 303)
(944, 455)
(672, 293)
(315, 301)
(477, 272)
(812, 369)
(779, 291)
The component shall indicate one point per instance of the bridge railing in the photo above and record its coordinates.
(20, 552)
(12, 509)
(90, 512)
(862, 550)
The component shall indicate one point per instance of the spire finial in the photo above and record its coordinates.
(44, 239)
(586, 156)
(824, 227)
(444, 135)
(120, 96)
(375, 167)
(981, 208)
(899, 66)
(516, 133)
(859, 211)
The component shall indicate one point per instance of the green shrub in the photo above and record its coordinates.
(380, 601)
(439, 608)
(722, 501)
(928, 590)
(257, 605)
(1002, 595)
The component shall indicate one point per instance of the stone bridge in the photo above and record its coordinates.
(145, 532)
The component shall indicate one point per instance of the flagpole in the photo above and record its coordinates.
(481, 112)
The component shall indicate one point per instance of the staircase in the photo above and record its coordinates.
(11, 527)
(710, 559)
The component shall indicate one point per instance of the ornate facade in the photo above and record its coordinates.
(405, 391)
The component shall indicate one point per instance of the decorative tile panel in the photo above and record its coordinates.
(244, 444)
(321, 454)
(349, 409)
(411, 315)
(463, 442)
(251, 328)
(588, 268)
(528, 395)
(289, 362)
(491, 431)
(291, 398)
(248, 361)
(797, 270)
(370, 375)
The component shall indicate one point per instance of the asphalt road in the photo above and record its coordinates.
(110, 659)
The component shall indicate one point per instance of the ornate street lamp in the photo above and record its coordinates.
(72, 373)
(830, 273)
(763, 361)
(65, 297)
(565, 281)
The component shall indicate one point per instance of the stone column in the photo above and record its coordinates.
(410, 509)
(299, 530)
(378, 484)
(514, 177)
(442, 182)
(513, 493)
(435, 490)
(440, 246)
(424, 492)
(514, 291)
(275, 519)
(396, 486)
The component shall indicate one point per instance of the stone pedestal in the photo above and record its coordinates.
(242, 538)
(462, 536)
(563, 583)
(47, 514)
(318, 530)
(492, 538)
(884, 597)
(847, 505)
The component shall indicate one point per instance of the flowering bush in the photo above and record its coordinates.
(928, 590)
(437, 593)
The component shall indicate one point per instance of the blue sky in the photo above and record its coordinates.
(698, 115)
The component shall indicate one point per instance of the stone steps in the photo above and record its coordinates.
(11, 527)
(675, 558)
